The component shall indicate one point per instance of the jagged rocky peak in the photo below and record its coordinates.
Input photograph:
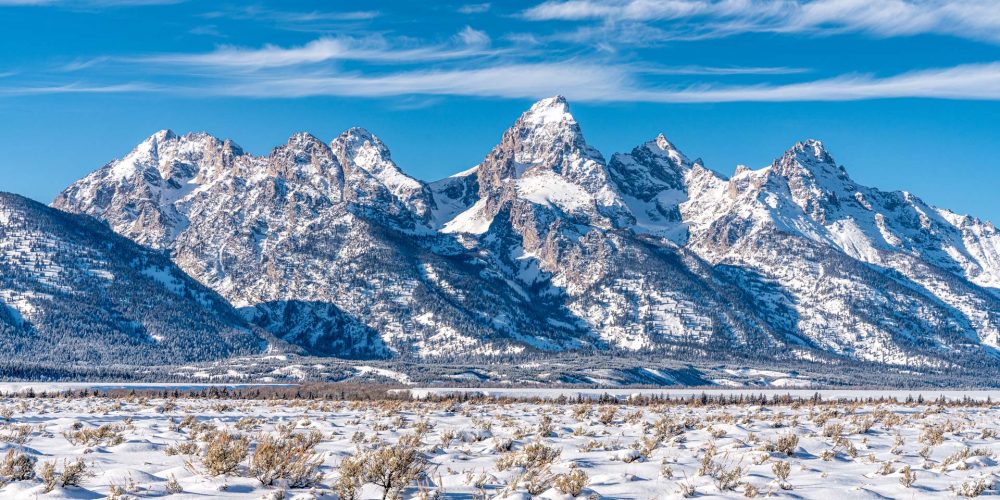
(649, 168)
(357, 141)
(551, 110)
(667, 148)
(369, 169)
(303, 155)
(180, 157)
(546, 131)
(807, 156)
(357, 148)
(545, 140)
(305, 141)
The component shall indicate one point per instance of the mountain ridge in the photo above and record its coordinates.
(546, 245)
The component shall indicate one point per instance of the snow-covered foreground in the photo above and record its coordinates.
(197, 448)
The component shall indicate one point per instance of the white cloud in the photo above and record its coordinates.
(974, 19)
(368, 49)
(474, 8)
(473, 37)
(84, 88)
(970, 81)
(86, 3)
(259, 13)
(721, 70)
(617, 83)
(578, 81)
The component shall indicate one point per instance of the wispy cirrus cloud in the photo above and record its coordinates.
(295, 20)
(474, 8)
(585, 82)
(86, 3)
(964, 82)
(84, 88)
(372, 49)
(720, 70)
(601, 83)
(692, 19)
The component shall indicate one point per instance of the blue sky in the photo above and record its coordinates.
(905, 93)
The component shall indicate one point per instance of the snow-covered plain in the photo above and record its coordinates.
(491, 449)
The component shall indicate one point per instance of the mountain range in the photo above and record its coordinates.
(546, 246)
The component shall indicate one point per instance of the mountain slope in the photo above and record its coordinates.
(73, 291)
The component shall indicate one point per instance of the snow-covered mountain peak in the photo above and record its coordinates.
(359, 147)
(548, 111)
(663, 147)
(161, 135)
(304, 140)
(368, 168)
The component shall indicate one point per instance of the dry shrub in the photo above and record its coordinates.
(173, 486)
(536, 481)
(729, 479)
(391, 468)
(781, 470)
(224, 453)
(572, 483)
(973, 487)
(884, 469)
(17, 466)
(532, 456)
(833, 430)
(686, 489)
(545, 427)
(907, 476)
(18, 434)
(288, 459)
(72, 474)
(933, 435)
(185, 448)
(607, 414)
(352, 472)
(787, 443)
(106, 435)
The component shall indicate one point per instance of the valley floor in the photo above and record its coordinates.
(212, 448)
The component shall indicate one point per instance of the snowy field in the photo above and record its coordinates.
(205, 448)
